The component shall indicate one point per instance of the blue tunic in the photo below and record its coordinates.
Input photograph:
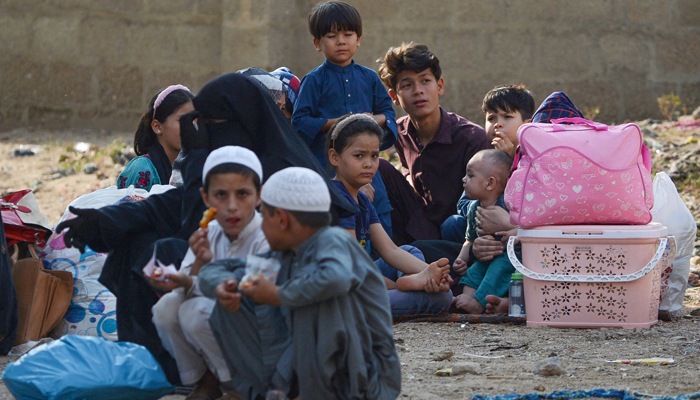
(330, 91)
(361, 221)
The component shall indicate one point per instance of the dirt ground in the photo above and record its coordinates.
(506, 353)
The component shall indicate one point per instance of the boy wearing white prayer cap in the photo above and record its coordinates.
(331, 294)
(232, 177)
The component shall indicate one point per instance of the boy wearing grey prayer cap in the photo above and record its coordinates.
(332, 296)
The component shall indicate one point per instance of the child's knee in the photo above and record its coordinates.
(165, 312)
(194, 314)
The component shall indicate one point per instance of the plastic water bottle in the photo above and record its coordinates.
(516, 295)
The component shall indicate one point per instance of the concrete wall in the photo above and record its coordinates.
(96, 63)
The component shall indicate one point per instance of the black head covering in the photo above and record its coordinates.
(252, 120)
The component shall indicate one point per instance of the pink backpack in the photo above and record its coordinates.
(586, 173)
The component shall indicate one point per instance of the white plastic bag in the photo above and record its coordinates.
(670, 211)
(259, 268)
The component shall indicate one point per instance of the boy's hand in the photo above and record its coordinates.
(228, 296)
(459, 266)
(171, 281)
(199, 243)
(501, 142)
(368, 190)
(263, 292)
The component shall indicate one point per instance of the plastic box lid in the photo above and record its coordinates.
(651, 230)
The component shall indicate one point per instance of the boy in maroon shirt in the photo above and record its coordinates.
(434, 145)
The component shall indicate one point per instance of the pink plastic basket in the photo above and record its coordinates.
(590, 276)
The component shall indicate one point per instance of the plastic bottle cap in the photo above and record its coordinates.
(517, 276)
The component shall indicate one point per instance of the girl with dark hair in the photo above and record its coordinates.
(157, 139)
(415, 287)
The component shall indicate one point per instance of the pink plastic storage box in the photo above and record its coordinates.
(591, 276)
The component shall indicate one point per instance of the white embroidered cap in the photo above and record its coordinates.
(232, 155)
(297, 189)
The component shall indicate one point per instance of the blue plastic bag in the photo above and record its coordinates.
(86, 367)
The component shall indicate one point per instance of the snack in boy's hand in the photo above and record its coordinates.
(207, 217)
(258, 268)
(248, 281)
(157, 272)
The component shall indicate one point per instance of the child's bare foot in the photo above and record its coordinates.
(434, 271)
(496, 305)
(468, 303)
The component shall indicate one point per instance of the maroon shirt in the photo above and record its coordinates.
(437, 169)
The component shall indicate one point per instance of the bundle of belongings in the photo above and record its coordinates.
(51, 289)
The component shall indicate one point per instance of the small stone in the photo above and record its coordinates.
(695, 260)
(90, 168)
(462, 368)
(444, 372)
(550, 367)
(443, 355)
(648, 133)
(539, 388)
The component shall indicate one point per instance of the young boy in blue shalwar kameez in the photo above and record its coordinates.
(340, 86)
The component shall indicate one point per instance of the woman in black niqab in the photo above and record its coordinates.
(237, 112)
